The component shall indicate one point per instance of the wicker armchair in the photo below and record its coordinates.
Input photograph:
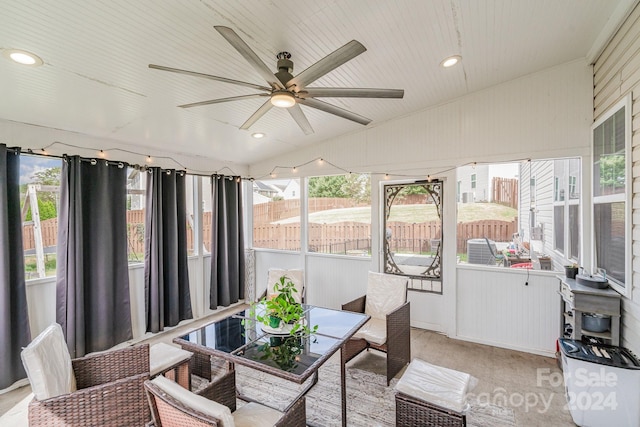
(110, 392)
(174, 406)
(389, 328)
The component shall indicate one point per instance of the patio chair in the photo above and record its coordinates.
(388, 330)
(497, 257)
(295, 275)
(175, 406)
(102, 389)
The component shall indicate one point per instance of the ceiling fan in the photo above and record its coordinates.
(288, 91)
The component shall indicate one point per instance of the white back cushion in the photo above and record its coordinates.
(194, 401)
(296, 277)
(48, 364)
(385, 293)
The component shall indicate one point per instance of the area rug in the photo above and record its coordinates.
(370, 402)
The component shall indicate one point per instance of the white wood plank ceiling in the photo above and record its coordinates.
(95, 79)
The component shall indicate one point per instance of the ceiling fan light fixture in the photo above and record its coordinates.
(283, 99)
(450, 61)
(23, 57)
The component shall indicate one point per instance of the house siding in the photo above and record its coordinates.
(616, 74)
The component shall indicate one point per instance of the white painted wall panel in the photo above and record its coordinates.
(496, 307)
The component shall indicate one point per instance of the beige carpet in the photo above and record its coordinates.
(369, 401)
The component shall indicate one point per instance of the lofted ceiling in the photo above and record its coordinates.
(95, 79)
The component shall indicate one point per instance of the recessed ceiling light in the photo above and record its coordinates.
(23, 57)
(450, 61)
(258, 135)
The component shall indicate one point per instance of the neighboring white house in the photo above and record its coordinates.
(549, 208)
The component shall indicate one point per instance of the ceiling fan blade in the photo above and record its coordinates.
(255, 116)
(339, 92)
(209, 76)
(217, 101)
(320, 105)
(234, 39)
(298, 115)
(328, 63)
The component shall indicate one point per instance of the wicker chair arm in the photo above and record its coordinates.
(176, 413)
(222, 390)
(117, 403)
(101, 368)
(357, 305)
(296, 416)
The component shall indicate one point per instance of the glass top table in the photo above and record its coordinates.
(241, 339)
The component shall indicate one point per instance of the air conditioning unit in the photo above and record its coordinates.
(478, 252)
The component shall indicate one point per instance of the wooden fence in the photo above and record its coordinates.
(341, 237)
(355, 237)
(265, 213)
(505, 191)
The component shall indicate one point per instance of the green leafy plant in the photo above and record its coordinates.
(281, 306)
(283, 351)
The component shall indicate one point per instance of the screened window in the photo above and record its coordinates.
(339, 209)
(40, 201)
(610, 170)
(136, 199)
(276, 214)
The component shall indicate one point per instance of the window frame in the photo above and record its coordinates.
(625, 196)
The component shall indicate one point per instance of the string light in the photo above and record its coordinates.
(320, 161)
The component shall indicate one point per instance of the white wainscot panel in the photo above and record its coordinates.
(518, 310)
(335, 280)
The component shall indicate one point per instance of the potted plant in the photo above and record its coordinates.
(571, 271)
(282, 309)
(283, 351)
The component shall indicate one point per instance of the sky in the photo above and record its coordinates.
(32, 164)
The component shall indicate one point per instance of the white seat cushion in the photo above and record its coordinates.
(48, 364)
(194, 401)
(296, 277)
(162, 356)
(374, 331)
(256, 415)
(385, 293)
(437, 385)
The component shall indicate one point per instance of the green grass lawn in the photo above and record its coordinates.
(411, 213)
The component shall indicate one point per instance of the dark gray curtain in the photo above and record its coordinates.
(227, 246)
(93, 304)
(166, 278)
(14, 319)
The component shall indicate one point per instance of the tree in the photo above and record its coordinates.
(47, 200)
(327, 186)
(357, 187)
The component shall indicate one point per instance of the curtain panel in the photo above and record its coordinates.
(167, 296)
(227, 246)
(92, 289)
(14, 318)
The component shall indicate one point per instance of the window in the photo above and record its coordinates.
(339, 209)
(485, 229)
(611, 216)
(473, 181)
(413, 233)
(190, 208)
(136, 199)
(40, 200)
(276, 214)
(566, 207)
